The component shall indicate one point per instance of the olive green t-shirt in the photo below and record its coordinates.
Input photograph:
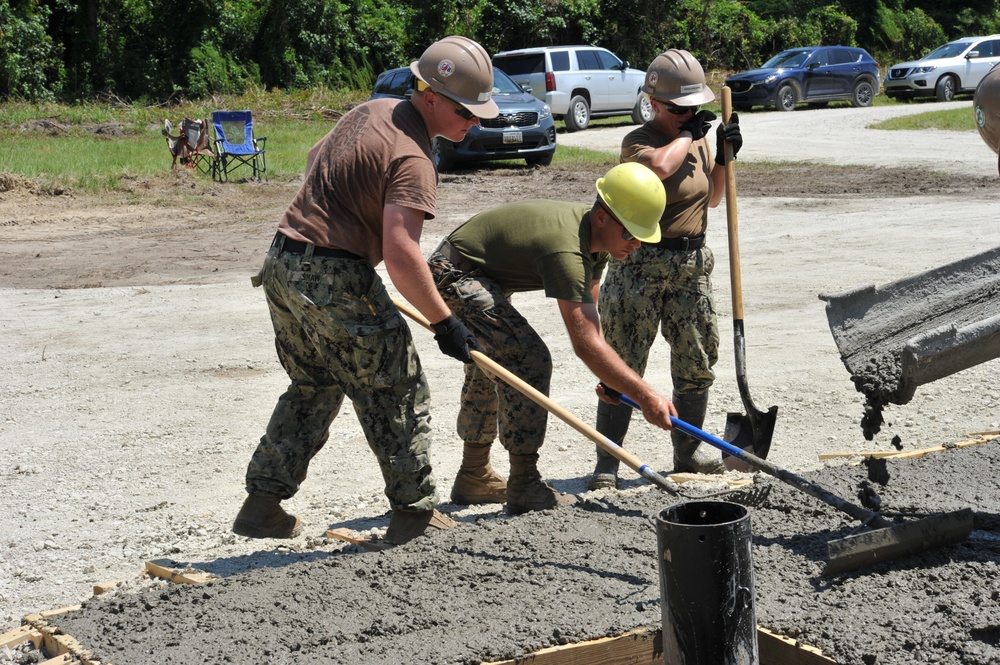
(534, 245)
(688, 190)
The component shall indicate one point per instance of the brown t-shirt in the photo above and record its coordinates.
(378, 154)
(688, 190)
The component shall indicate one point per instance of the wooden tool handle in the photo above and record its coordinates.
(604, 443)
(732, 219)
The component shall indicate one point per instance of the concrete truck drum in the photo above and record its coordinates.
(916, 330)
(986, 106)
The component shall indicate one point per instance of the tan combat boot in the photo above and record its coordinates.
(476, 482)
(526, 491)
(263, 517)
(405, 525)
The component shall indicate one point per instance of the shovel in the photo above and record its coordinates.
(886, 542)
(753, 430)
(752, 497)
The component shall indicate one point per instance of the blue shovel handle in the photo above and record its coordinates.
(687, 428)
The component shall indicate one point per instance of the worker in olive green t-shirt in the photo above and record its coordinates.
(562, 249)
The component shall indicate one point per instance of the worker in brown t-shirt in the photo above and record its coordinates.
(369, 186)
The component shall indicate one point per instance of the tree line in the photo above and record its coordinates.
(163, 50)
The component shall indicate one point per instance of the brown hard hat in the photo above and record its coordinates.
(986, 106)
(677, 77)
(461, 70)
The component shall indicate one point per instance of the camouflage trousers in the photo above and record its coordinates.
(489, 405)
(655, 288)
(337, 333)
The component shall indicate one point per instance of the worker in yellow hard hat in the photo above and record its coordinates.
(561, 249)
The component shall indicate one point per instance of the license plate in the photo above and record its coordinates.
(512, 137)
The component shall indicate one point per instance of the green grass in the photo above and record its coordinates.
(97, 147)
(954, 120)
(101, 147)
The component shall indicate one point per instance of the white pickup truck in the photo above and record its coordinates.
(578, 82)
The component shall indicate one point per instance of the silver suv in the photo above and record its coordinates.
(957, 67)
(578, 82)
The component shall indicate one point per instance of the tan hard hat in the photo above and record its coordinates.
(675, 76)
(637, 198)
(986, 106)
(461, 70)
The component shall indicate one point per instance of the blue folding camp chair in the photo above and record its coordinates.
(236, 146)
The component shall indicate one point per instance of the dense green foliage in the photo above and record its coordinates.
(161, 50)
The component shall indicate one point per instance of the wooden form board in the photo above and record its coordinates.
(982, 437)
(643, 646)
(63, 648)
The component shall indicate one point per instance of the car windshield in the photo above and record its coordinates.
(503, 84)
(947, 51)
(786, 59)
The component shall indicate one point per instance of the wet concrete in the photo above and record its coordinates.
(498, 587)
(897, 337)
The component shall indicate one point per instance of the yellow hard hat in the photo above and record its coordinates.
(461, 70)
(636, 197)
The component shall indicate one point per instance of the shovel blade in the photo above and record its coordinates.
(751, 432)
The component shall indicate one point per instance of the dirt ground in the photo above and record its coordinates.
(139, 366)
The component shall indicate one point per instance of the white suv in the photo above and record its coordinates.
(957, 67)
(578, 82)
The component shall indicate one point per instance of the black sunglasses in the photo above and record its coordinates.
(679, 110)
(625, 232)
(460, 111)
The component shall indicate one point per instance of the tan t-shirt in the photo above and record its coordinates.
(379, 153)
(688, 190)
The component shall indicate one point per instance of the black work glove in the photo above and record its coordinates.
(699, 124)
(455, 340)
(727, 132)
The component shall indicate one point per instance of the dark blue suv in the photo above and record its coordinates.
(525, 128)
(814, 75)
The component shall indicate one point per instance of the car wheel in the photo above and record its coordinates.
(945, 89)
(643, 111)
(544, 160)
(579, 114)
(863, 94)
(442, 159)
(786, 97)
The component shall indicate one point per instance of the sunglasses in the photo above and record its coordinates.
(625, 233)
(460, 111)
(679, 110)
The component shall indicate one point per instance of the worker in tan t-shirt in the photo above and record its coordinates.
(665, 288)
(369, 186)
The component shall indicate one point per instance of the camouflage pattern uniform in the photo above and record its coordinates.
(488, 404)
(656, 288)
(333, 343)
